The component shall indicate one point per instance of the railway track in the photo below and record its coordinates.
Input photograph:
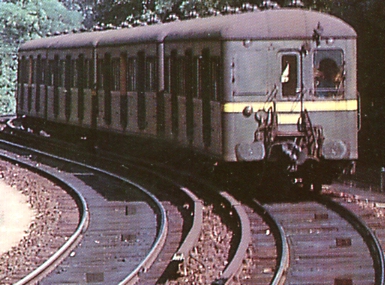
(305, 242)
(103, 236)
(231, 255)
(328, 244)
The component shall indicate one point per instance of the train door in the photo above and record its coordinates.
(107, 87)
(160, 94)
(141, 85)
(39, 79)
(94, 93)
(94, 109)
(161, 112)
(50, 81)
(67, 87)
(56, 83)
(206, 97)
(190, 92)
(292, 89)
(31, 81)
(174, 70)
(81, 79)
(23, 79)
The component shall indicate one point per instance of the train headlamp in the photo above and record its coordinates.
(247, 111)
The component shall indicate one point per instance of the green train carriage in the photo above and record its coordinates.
(275, 87)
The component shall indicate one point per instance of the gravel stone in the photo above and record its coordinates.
(209, 257)
(45, 233)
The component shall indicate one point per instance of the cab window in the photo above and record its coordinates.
(328, 73)
(289, 75)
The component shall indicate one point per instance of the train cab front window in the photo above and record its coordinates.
(328, 73)
(289, 75)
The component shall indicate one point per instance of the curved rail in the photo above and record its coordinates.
(192, 236)
(366, 233)
(283, 244)
(235, 264)
(133, 277)
(74, 239)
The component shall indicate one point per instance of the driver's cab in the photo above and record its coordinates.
(328, 74)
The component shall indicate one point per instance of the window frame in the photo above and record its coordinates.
(151, 72)
(297, 56)
(132, 73)
(338, 90)
(115, 69)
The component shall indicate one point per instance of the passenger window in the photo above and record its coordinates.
(88, 74)
(151, 74)
(181, 65)
(62, 75)
(32, 71)
(115, 66)
(196, 77)
(100, 73)
(51, 73)
(289, 75)
(132, 73)
(215, 70)
(328, 73)
(42, 68)
(74, 73)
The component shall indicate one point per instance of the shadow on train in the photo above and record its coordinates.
(244, 181)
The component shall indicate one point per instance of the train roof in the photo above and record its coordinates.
(278, 24)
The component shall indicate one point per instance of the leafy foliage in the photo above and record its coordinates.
(21, 21)
(26, 20)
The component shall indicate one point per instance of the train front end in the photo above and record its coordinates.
(291, 97)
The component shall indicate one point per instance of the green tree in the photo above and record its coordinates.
(21, 21)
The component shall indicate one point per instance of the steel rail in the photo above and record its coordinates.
(162, 222)
(74, 239)
(193, 235)
(367, 234)
(283, 261)
(236, 262)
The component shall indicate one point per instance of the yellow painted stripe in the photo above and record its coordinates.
(288, 106)
(288, 119)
